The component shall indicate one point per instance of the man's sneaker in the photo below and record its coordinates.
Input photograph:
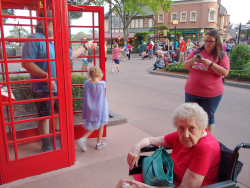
(112, 70)
(82, 143)
(100, 146)
(58, 143)
(119, 71)
(47, 148)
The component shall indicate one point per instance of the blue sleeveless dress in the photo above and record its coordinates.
(95, 111)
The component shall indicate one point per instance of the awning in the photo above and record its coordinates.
(114, 36)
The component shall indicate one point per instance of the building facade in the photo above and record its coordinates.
(139, 23)
(196, 15)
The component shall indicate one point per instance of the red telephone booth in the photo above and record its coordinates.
(23, 127)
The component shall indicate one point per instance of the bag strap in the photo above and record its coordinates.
(222, 54)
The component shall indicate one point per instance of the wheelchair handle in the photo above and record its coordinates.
(151, 148)
(246, 145)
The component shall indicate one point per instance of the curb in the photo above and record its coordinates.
(227, 83)
(116, 119)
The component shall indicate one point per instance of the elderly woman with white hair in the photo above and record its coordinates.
(196, 152)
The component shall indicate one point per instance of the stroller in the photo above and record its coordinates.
(145, 54)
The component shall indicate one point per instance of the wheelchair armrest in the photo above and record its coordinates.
(151, 148)
(224, 184)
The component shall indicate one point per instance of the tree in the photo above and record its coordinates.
(91, 31)
(128, 9)
(7, 11)
(14, 33)
(159, 30)
(77, 37)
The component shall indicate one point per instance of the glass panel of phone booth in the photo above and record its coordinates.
(31, 122)
(84, 30)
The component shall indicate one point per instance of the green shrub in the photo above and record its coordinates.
(241, 75)
(109, 51)
(239, 57)
(139, 37)
(25, 94)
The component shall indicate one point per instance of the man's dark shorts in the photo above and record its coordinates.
(44, 107)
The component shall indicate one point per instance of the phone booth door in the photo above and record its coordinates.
(85, 23)
(34, 134)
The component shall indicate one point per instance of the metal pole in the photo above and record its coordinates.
(174, 38)
(111, 41)
(239, 34)
(248, 33)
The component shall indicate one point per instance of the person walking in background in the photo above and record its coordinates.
(201, 43)
(95, 112)
(150, 45)
(160, 52)
(224, 44)
(182, 50)
(190, 46)
(204, 84)
(125, 51)
(116, 57)
(85, 62)
(129, 50)
(229, 46)
(166, 45)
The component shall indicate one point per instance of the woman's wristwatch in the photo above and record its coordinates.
(84, 46)
(211, 64)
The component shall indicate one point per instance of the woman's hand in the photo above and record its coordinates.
(205, 62)
(133, 157)
(91, 45)
(136, 183)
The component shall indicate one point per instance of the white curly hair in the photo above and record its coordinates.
(188, 111)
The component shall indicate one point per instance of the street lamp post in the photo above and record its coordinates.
(19, 32)
(111, 41)
(237, 32)
(175, 22)
(202, 31)
(248, 30)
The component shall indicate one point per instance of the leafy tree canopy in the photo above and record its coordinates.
(77, 37)
(7, 11)
(14, 33)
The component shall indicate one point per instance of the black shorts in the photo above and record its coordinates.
(228, 50)
(44, 107)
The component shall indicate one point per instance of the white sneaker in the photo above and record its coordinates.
(119, 71)
(112, 70)
(82, 143)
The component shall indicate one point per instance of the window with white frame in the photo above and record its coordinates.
(116, 22)
(173, 15)
(160, 18)
(212, 15)
(183, 17)
(227, 22)
(145, 22)
(193, 15)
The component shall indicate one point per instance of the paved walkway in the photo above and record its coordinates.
(147, 101)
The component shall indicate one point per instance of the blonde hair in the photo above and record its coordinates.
(189, 111)
(115, 45)
(95, 72)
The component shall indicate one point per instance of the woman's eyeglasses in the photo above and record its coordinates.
(209, 41)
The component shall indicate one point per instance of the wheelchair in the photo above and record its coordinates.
(230, 167)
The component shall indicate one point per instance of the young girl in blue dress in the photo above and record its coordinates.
(95, 108)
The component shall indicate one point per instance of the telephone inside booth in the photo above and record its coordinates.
(41, 113)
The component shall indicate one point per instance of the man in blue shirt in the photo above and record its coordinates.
(39, 70)
(125, 51)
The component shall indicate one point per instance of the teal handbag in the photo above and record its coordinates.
(157, 169)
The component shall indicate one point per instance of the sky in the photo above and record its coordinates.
(238, 9)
